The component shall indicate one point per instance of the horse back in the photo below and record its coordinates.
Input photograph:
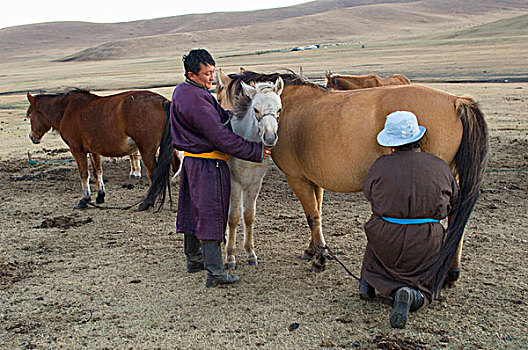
(329, 137)
(114, 125)
(352, 82)
(396, 79)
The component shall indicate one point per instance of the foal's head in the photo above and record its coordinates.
(262, 102)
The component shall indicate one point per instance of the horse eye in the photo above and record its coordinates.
(280, 110)
(256, 110)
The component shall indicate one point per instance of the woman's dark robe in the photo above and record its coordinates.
(405, 184)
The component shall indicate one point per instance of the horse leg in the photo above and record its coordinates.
(97, 170)
(232, 223)
(250, 204)
(82, 165)
(311, 196)
(135, 166)
(149, 160)
(453, 274)
(177, 157)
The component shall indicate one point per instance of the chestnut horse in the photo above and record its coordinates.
(111, 126)
(353, 82)
(327, 140)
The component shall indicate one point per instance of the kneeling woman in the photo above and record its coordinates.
(409, 192)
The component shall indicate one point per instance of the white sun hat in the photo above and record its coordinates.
(401, 128)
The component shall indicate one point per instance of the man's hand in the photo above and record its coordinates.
(267, 153)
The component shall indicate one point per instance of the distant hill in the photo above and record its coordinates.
(321, 21)
(52, 36)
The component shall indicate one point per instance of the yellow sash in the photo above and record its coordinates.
(209, 155)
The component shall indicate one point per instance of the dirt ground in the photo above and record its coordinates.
(115, 279)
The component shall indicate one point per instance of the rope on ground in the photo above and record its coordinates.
(333, 256)
(33, 162)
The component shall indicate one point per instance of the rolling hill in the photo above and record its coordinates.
(322, 21)
(425, 39)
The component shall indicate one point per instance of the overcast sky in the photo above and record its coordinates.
(18, 12)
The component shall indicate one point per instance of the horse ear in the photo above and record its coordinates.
(242, 70)
(221, 78)
(279, 85)
(248, 89)
(30, 98)
(219, 81)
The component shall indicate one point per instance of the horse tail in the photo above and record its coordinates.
(160, 177)
(470, 162)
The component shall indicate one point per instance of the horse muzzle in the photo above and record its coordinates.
(270, 140)
(268, 130)
(34, 139)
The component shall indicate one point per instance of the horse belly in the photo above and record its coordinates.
(246, 173)
(116, 148)
(347, 178)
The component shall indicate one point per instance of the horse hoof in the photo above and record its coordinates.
(253, 262)
(454, 275)
(100, 198)
(230, 266)
(317, 266)
(306, 255)
(134, 176)
(144, 206)
(83, 204)
(451, 278)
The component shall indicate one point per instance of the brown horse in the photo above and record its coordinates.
(327, 140)
(353, 82)
(111, 126)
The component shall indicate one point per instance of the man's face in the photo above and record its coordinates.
(205, 76)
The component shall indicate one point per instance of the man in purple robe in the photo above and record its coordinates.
(201, 128)
(409, 192)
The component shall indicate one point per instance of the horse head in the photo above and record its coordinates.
(39, 124)
(265, 106)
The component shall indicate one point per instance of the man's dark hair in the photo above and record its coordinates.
(192, 60)
(409, 146)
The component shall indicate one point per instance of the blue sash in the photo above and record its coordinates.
(408, 221)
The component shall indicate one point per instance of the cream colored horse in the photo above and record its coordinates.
(255, 118)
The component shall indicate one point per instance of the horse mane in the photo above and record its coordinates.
(249, 77)
(242, 104)
(77, 91)
(70, 92)
(242, 101)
